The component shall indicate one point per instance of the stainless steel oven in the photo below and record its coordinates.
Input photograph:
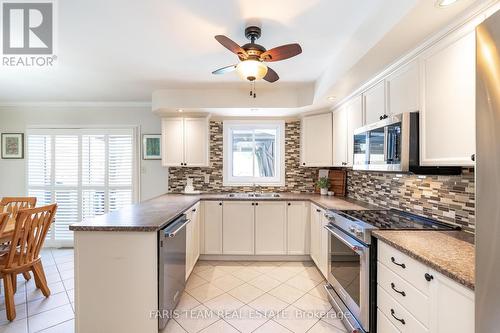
(349, 275)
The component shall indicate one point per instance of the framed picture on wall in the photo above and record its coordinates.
(12, 145)
(151, 147)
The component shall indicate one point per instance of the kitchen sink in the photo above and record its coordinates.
(253, 195)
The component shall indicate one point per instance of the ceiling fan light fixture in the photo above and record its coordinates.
(251, 70)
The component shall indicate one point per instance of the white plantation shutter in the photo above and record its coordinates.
(86, 172)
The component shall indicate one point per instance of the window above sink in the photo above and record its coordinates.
(253, 153)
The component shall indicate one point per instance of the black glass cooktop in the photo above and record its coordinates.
(395, 219)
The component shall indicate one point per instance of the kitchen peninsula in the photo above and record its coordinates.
(116, 255)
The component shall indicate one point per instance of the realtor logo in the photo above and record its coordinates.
(27, 28)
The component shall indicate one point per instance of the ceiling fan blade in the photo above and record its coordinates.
(281, 52)
(231, 46)
(271, 75)
(225, 70)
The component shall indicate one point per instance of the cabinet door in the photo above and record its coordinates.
(316, 145)
(340, 137)
(323, 240)
(270, 227)
(196, 233)
(354, 121)
(189, 244)
(315, 240)
(196, 142)
(238, 227)
(403, 90)
(172, 133)
(374, 99)
(452, 306)
(298, 228)
(447, 121)
(212, 228)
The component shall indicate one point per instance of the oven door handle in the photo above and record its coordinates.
(355, 246)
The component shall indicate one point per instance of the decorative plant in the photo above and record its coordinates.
(322, 182)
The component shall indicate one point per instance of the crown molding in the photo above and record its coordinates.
(74, 104)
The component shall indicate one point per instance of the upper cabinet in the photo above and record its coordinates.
(354, 110)
(346, 119)
(340, 136)
(374, 100)
(316, 140)
(447, 115)
(185, 142)
(403, 89)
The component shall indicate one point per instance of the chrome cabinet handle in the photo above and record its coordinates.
(397, 264)
(393, 286)
(402, 321)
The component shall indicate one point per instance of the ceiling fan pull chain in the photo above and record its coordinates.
(254, 92)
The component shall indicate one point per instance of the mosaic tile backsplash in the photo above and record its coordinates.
(297, 179)
(445, 198)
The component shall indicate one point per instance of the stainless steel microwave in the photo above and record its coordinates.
(392, 144)
(385, 145)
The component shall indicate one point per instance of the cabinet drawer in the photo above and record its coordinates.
(397, 314)
(407, 268)
(404, 293)
(384, 325)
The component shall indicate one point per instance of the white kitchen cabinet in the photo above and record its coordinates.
(431, 302)
(451, 306)
(316, 140)
(196, 142)
(270, 228)
(374, 102)
(185, 142)
(298, 228)
(238, 225)
(339, 118)
(212, 227)
(324, 236)
(403, 89)
(315, 235)
(192, 238)
(447, 95)
(354, 110)
(172, 134)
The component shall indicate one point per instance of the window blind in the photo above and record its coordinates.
(87, 172)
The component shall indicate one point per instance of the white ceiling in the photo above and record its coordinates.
(122, 51)
(115, 50)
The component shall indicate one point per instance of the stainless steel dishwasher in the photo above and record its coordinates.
(171, 267)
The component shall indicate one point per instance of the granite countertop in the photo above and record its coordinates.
(154, 214)
(448, 252)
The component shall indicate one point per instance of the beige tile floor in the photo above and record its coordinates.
(35, 313)
(220, 296)
(259, 297)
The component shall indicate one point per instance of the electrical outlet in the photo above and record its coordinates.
(207, 179)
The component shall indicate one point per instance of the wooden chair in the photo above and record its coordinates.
(12, 205)
(31, 228)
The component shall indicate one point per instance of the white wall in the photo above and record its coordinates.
(153, 177)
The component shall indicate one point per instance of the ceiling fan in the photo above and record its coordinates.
(253, 56)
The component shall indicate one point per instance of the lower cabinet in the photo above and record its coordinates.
(319, 239)
(212, 227)
(270, 228)
(412, 297)
(238, 226)
(298, 228)
(192, 238)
